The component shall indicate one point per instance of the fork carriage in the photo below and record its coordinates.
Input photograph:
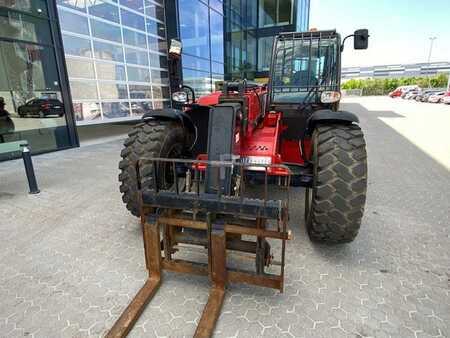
(211, 217)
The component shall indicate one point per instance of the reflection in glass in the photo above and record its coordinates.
(83, 90)
(216, 23)
(76, 46)
(80, 68)
(73, 23)
(161, 104)
(87, 111)
(199, 80)
(194, 28)
(140, 108)
(156, 28)
(134, 38)
(132, 20)
(160, 76)
(104, 10)
(137, 5)
(264, 53)
(138, 74)
(217, 5)
(110, 71)
(79, 5)
(110, 90)
(41, 107)
(157, 45)
(23, 27)
(158, 61)
(136, 57)
(154, 11)
(36, 7)
(140, 92)
(115, 109)
(105, 31)
(160, 92)
(107, 51)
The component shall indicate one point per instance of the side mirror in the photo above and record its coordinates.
(361, 39)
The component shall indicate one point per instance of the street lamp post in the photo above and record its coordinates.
(429, 59)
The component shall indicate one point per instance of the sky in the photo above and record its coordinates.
(399, 29)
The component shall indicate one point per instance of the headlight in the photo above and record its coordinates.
(330, 97)
(179, 97)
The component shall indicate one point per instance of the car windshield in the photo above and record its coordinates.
(303, 68)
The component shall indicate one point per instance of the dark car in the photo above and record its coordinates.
(41, 108)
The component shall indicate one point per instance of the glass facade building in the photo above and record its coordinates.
(65, 63)
(33, 103)
(116, 56)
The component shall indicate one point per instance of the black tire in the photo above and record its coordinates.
(334, 206)
(152, 138)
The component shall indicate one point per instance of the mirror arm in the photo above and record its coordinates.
(343, 41)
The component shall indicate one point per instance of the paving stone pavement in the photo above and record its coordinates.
(71, 258)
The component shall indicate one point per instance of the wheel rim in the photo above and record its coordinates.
(166, 168)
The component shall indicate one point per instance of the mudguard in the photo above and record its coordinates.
(329, 116)
(172, 114)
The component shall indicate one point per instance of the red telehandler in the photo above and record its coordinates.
(199, 176)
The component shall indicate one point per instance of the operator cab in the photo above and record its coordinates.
(306, 67)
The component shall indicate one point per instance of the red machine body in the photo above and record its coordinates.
(261, 141)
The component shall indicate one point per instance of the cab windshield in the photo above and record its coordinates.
(303, 68)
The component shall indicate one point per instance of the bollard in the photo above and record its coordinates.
(26, 155)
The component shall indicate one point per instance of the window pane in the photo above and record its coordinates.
(217, 5)
(195, 63)
(137, 5)
(140, 92)
(140, 108)
(107, 51)
(115, 109)
(158, 61)
(200, 81)
(73, 4)
(159, 76)
(36, 7)
(104, 10)
(136, 57)
(161, 104)
(83, 90)
(86, 111)
(156, 28)
(194, 28)
(160, 92)
(24, 27)
(105, 31)
(138, 74)
(284, 11)
(80, 68)
(73, 23)
(154, 11)
(217, 68)
(110, 71)
(216, 36)
(109, 90)
(267, 13)
(76, 46)
(264, 53)
(134, 38)
(157, 45)
(133, 20)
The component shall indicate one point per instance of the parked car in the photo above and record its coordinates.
(446, 98)
(41, 107)
(428, 93)
(436, 97)
(410, 95)
(409, 90)
(399, 91)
